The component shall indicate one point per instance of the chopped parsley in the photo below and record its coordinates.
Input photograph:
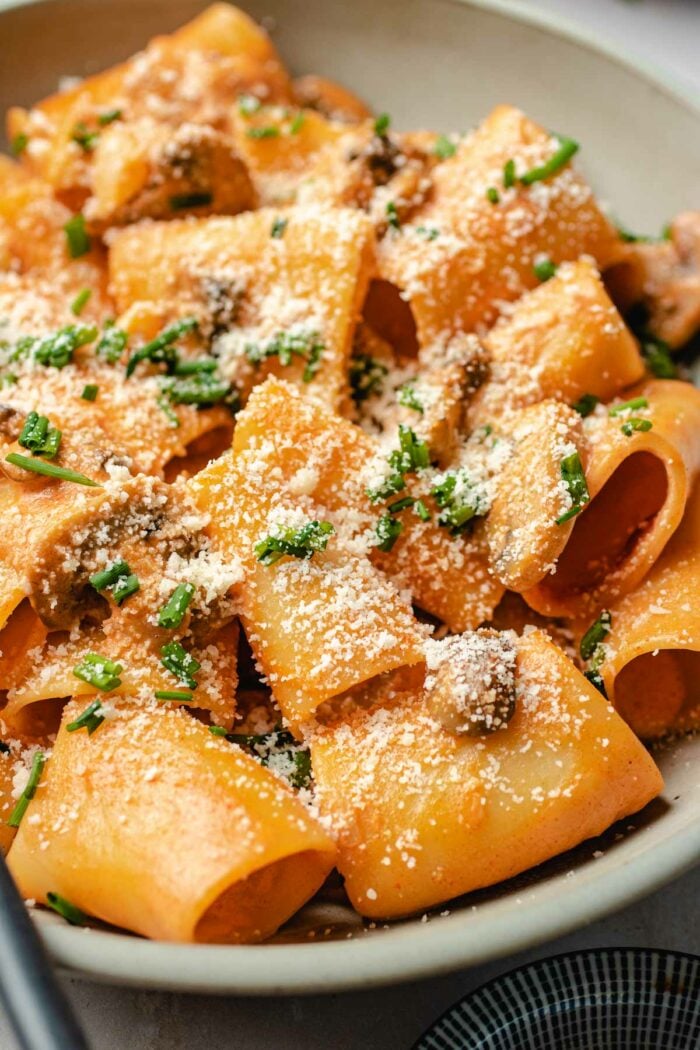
(388, 530)
(565, 151)
(575, 480)
(493, 195)
(544, 269)
(409, 398)
(459, 501)
(279, 226)
(66, 910)
(49, 470)
(77, 238)
(99, 671)
(29, 792)
(182, 201)
(586, 404)
(19, 144)
(302, 543)
(173, 612)
(90, 392)
(90, 719)
(80, 302)
(444, 147)
(161, 349)
(366, 376)
(628, 406)
(39, 436)
(634, 424)
(287, 345)
(175, 658)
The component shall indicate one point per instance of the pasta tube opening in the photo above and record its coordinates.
(659, 691)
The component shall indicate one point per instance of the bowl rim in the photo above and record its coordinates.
(548, 961)
(410, 950)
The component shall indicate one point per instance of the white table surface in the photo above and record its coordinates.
(666, 33)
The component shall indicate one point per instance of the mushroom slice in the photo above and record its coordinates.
(470, 684)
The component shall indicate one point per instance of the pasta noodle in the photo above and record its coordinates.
(323, 445)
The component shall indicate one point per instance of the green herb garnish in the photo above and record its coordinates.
(19, 144)
(657, 357)
(628, 406)
(181, 201)
(388, 530)
(459, 501)
(180, 695)
(118, 579)
(248, 104)
(90, 392)
(287, 345)
(161, 349)
(444, 148)
(108, 117)
(278, 227)
(366, 376)
(565, 151)
(268, 131)
(112, 343)
(544, 269)
(400, 504)
(595, 635)
(509, 174)
(634, 424)
(91, 719)
(421, 510)
(575, 480)
(297, 123)
(596, 679)
(85, 138)
(493, 195)
(99, 671)
(29, 792)
(173, 612)
(428, 233)
(381, 124)
(49, 470)
(199, 389)
(80, 302)
(39, 436)
(180, 663)
(586, 404)
(409, 398)
(297, 543)
(412, 453)
(77, 238)
(392, 217)
(66, 910)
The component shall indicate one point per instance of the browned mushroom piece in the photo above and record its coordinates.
(664, 277)
(143, 169)
(143, 516)
(330, 99)
(470, 685)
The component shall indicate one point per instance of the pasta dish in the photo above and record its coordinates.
(350, 513)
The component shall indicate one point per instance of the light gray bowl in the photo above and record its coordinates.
(443, 64)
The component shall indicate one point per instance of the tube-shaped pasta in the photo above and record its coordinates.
(562, 340)
(638, 484)
(295, 297)
(483, 253)
(168, 831)
(651, 668)
(423, 815)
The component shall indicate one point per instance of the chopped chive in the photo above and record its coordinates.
(586, 404)
(628, 406)
(90, 719)
(56, 350)
(66, 910)
(409, 398)
(77, 238)
(296, 543)
(412, 454)
(393, 484)
(493, 195)
(382, 123)
(388, 530)
(444, 147)
(175, 658)
(400, 504)
(80, 302)
(267, 131)
(90, 392)
(181, 695)
(634, 424)
(563, 154)
(29, 792)
(278, 227)
(459, 501)
(509, 174)
(190, 368)
(168, 411)
(49, 470)
(161, 348)
(190, 200)
(125, 587)
(85, 138)
(544, 269)
(112, 343)
(217, 731)
(99, 671)
(573, 476)
(19, 144)
(429, 233)
(108, 117)
(248, 104)
(657, 356)
(366, 376)
(297, 123)
(392, 216)
(39, 436)
(173, 612)
(596, 633)
(287, 345)
(421, 510)
(108, 577)
(596, 679)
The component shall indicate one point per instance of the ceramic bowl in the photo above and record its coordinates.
(441, 64)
